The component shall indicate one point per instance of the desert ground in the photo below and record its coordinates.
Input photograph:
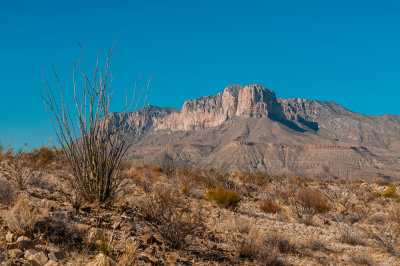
(163, 215)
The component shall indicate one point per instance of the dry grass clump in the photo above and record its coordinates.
(394, 214)
(171, 217)
(224, 197)
(18, 168)
(280, 243)
(44, 156)
(60, 230)
(386, 236)
(269, 206)
(308, 202)
(252, 246)
(351, 238)
(362, 259)
(7, 192)
(316, 245)
(22, 217)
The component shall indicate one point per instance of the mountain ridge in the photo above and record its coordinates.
(286, 134)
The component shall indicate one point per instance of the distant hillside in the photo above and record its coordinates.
(248, 128)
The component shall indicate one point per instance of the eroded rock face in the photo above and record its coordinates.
(248, 128)
(211, 111)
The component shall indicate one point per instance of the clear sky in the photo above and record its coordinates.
(345, 51)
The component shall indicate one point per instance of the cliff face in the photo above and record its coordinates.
(212, 111)
(248, 128)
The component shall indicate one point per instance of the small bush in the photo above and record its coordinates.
(280, 243)
(253, 247)
(17, 168)
(309, 202)
(44, 156)
(269, 207)
(224, 197)
(60, 230)
(362, 259)
(390, 192)
(394, 214)
(7, 192)
(348, 237)
(22, 217)
(171, 217)
(316, 245)
(102, 244)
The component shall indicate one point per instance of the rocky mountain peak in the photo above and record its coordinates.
(234, 101)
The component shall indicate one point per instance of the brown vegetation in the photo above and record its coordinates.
(169, 219)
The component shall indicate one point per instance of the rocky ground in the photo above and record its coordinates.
(166, 216)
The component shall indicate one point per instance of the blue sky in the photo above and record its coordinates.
(345, 51)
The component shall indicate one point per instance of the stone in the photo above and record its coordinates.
(51, 263)
(9, 237)
(56, 256)
(39, 258)
(15, 253)
(94, 234)
(30, 253)
(23, 238)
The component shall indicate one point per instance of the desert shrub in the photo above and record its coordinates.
(280, 243)
(390, 192)
(269, 206)
(171, 217)
(60, 230)
(43, 156)
(7, 192)
(394, 214)
(350, 238)
(362, 259)
(252, 246)
(94, 142)
(340, 196)
(316, 245)
(168, 165)
(102, 244)
(258, 179)
(22, 217)
(16, 167)
(224, 197)
(386, 236)
(309, 202)
(217, 177)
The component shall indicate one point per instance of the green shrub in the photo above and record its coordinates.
(390, 192)
(224, 197)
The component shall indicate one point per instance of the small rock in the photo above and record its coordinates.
(149, 258)
(56, 256)
(150, 239)
(15, 253)
(94, 235)
(52, 248)
(30, 253)
(39, 258)
(51, 263)
(149, 250)
(175, 258)
(102, 260)
(23, 238)
(9, 237)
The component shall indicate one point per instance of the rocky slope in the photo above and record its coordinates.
(248, 128)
